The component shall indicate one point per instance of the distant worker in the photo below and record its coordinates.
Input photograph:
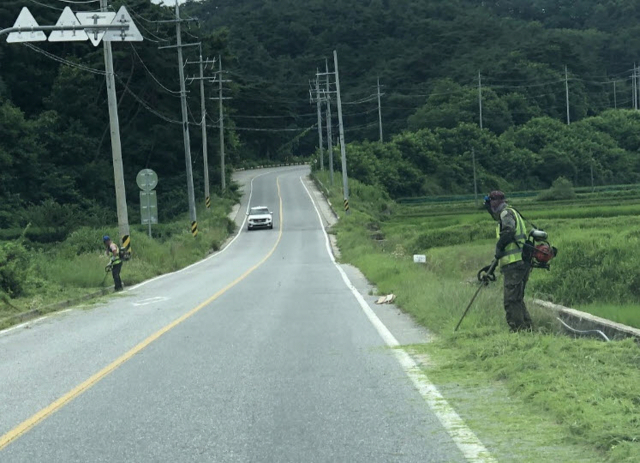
(116, 262)
(512, 234)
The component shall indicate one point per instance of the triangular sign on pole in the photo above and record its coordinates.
(131, 35)
(26, 20)
(67, 18)
(103, 18)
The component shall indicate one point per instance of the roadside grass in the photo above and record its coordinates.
(551, 397)
(75, 267)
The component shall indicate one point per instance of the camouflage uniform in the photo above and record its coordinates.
(514, 269)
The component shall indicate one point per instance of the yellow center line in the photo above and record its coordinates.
(28, 424)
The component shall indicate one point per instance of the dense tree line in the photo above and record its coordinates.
(439, 161)
(55, 160)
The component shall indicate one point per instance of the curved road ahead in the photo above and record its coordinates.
(261, 353)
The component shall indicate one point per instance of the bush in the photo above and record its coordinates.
(14, 268)
(562, 189)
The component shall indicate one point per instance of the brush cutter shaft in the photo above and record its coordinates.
(485, 276)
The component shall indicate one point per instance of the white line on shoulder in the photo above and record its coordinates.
(465, 439)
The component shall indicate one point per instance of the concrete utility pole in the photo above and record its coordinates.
(116, 147)
(634, 100)
(329, 121)
(185, 127)
(475, 181)
(380, 112)
(636, 87)
(566, 86)
(480, 98)
(318, 106)
(205, 155)
(223, 180)
(345, 179)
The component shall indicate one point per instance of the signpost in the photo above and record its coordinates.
(95, 26)
(147, 180)
(67, 18)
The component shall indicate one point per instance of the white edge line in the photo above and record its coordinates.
(240, 229)
(31, 322)
(464, 438)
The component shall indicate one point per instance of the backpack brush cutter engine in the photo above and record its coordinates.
(537, 251)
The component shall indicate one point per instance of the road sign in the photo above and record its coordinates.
(147, 179)
(67, 18)
(26, 20)
(96, 18)
(123, 18)
(148, 208)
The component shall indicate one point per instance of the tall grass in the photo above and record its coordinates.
(76, 266)
(586, 391)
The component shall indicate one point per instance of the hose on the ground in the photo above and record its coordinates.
(573, 330)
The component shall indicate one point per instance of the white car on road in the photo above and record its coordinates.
(259, 217)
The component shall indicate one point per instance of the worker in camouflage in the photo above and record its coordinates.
(115, 262)
(511, 234)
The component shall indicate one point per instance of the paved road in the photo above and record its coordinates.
(273, 360)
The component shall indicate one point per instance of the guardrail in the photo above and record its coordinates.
(269, 166)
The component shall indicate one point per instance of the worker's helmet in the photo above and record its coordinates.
(493, 201)
(497, 195)
(106, 238)
(544, 253)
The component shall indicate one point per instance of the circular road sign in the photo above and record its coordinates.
(147, 179)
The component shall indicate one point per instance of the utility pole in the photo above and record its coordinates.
(116, 147)
(318, 106)
(566, 86)
(633, 88)
(345, 180)
(480, 98)
(203, 123)
(185, 127)
(329, 121)
(380, 112)
(223, 180)
(475, 181)
(636, 87)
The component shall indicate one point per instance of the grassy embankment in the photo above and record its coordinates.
(35, 276)
(529, 397)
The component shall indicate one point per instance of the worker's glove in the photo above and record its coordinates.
(486, 274)
(109, 267)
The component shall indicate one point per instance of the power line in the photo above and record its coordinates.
(172, 92)
(48, 6)
(291, 116)
(79, 2)
(62, 60)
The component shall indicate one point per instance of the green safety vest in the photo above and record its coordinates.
(513, 251)
(117, 260)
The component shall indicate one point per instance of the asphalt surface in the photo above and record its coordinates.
(282, 366)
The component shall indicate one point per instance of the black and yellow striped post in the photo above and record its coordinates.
(126, 246)
(346, 205)
(194, 229)
(207, 201)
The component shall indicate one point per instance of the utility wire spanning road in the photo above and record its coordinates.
(261, 353)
